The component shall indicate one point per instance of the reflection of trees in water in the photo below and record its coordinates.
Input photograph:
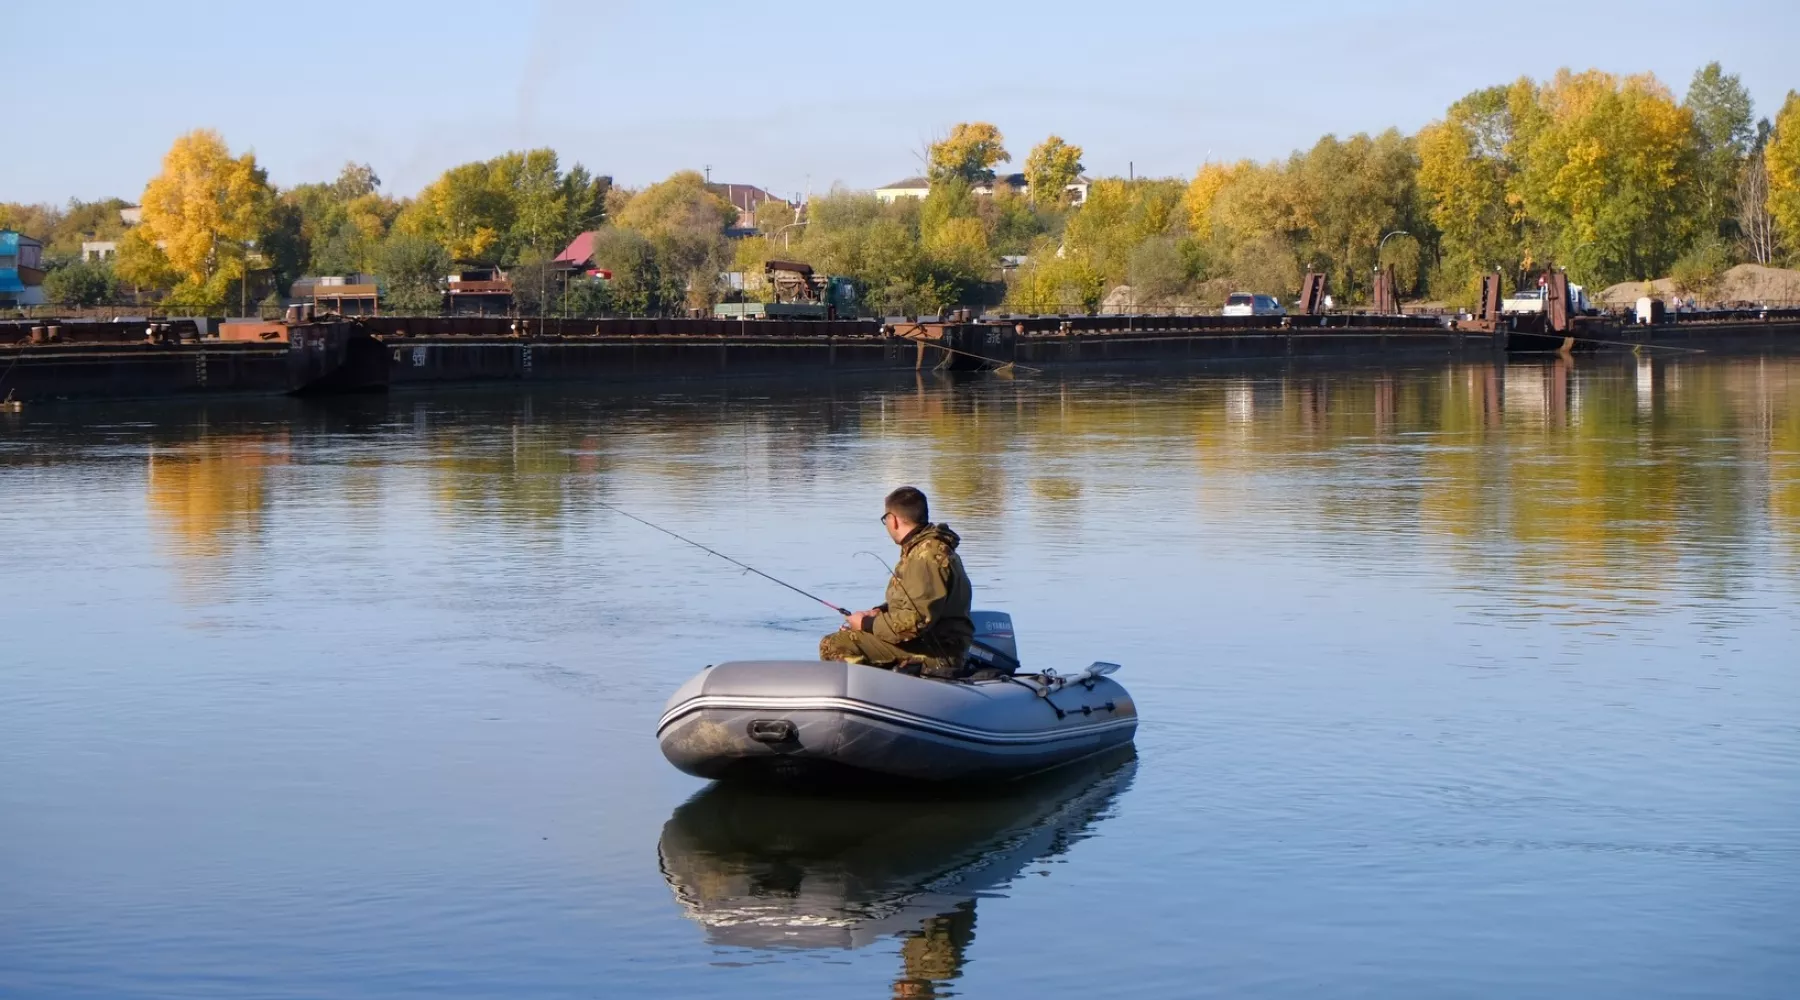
(1606, 475)
(1554, 473)
(208, 497)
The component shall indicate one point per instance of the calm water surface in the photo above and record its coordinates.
(1456, 682)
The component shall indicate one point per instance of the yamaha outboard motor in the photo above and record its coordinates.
(994, 648)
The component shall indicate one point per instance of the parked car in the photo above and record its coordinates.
(1246, 304)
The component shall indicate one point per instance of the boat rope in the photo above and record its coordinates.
(1002, 365)
(1043, 693)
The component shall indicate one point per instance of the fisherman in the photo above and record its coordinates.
(924, 627)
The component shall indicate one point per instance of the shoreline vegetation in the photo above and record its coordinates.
(1613, 178)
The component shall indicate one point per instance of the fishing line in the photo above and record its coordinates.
(712, 551)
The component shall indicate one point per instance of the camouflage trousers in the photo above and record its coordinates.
(861, 647)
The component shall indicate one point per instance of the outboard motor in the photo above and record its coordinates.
(994, 647)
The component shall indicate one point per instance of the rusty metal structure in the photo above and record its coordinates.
(1387, 292)
(793, 281)
(1491, 297)
(1556, 301)
(1312, 294)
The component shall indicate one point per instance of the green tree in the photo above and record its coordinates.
(586, 298)
(1347, 195)
(1010, 221)
(635, 287)
(1724, 126)
(412, 268)
(969, 152)
(686, 222)
(81, 285)
(341, 223)
(1160, 273)
(1050, 168)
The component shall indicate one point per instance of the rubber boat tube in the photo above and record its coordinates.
(786, 720)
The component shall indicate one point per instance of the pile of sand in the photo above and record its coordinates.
(1751, 283)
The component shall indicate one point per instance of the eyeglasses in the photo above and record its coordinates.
(885, 516)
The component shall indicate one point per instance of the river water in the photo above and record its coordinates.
(1473, 681)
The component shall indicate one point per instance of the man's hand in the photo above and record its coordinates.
(860, 621)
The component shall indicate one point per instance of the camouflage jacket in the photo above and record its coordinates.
(928, 597)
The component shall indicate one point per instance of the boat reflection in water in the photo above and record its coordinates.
(760, 868)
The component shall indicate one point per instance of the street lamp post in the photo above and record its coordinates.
(1383, 244)
(783, 231)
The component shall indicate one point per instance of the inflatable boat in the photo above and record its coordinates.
(769, 869)
(796, 720)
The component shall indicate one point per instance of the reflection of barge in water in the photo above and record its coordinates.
(772, 870)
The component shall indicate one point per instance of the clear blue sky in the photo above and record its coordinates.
(799, 96)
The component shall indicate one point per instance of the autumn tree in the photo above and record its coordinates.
(1756, 226)
(1467, 167)
(205, 213)
(1782, 158)
(969, 152)
(142, 264)
(1050, 168)
(515, 206)
(1203, 192)
(1609, 168)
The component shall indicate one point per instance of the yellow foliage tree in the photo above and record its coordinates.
(1782, 157)
(465, 210)
(962, 244)
(1049, 170)
(1465, 167)
(1203, 192)
(969, 152)
(1610, 168)
(205, 212)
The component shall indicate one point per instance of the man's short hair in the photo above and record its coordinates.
(909, 505)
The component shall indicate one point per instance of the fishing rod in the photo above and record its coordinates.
(711, 551)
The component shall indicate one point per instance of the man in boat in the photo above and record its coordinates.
(924, 626)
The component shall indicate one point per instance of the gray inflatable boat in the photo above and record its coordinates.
(803, 719)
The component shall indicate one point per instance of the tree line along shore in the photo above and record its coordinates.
(1612, 178)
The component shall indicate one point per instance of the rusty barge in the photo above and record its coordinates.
(107, 360)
